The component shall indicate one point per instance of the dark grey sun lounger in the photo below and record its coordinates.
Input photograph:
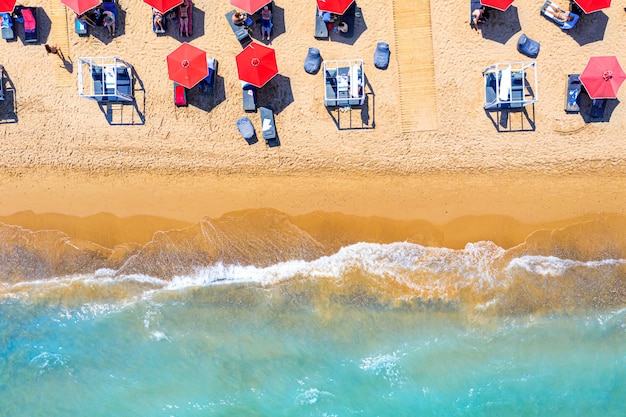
(267, 125)
(597, 109)
(240, 31)
(249, 97)
(321, 30)
(574, 87)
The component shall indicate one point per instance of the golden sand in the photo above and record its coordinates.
(64, 159)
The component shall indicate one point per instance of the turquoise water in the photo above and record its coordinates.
(255, 350)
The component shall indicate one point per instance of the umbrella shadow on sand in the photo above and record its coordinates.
(501, 25)
(589, 28)
(276, 94)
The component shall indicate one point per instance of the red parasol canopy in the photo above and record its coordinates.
(497, 4)
(187, 65)
(250, 6)
(334, 6)
(256, 64)
(7, 6)
(81, 6)
(590, 6)
(602, 77)
(163, 5)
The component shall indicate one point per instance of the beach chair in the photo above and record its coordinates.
(180, 95)
(547, 10)
(29, 14)
(321, 29)
(241, 31)
(246, 129)
(381, 55)
(155, 28)
(313, 61)
(6, 24)
(80, 28)
(596, 112)
(572, 93)
(249, 97)
(528, 47)
(189, 19)
(268, 127)
(207, 86)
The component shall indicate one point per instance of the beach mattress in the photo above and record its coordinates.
(381, 55)
(313, 61)
(528, 47)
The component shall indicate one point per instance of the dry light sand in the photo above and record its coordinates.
(64, 157)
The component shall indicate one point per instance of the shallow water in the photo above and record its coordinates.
(298, 329)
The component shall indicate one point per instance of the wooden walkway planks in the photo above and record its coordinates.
(416, 69)
(60, 38)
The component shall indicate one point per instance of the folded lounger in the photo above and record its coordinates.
(321, 30)
(574, 87)
(207, 86)
(267, 124)
(313, 61)
(240, 31)
(546, 10)
(528, 47)
(597, 108)
(249, 97)
(155, 28)
(7, 27)
(381, 55)
(29, 14)
(180, 95)
(189, 19)
(246, 128)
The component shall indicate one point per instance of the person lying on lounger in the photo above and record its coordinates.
(158, 20)
(557, 13)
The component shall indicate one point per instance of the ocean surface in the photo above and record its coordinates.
(268, 318)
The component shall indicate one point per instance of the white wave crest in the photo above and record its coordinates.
(553, 266)
(386, 365)
(312, 396)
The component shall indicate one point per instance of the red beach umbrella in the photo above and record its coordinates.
(256, 64)
(249, 6)
(334, 6)
(163, 5)
(497, 4)
(7, 6)
(187, 65)
(81, 6)
(590, 6)
(602, 77)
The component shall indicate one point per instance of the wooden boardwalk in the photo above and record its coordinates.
(60, 38)
(414, 53)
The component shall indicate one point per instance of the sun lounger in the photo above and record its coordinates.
(155, 28)
(246, 128)
(596, 111)
(381, 55)
(207, 86)
(548, 11)
(321, 30)
(574, 87)
(180, 95)
(240, 31)
(29, 14)
(2, 83)
(313, 61)
(268, 127)
(249, 97)
(8, 33)
(528, 47)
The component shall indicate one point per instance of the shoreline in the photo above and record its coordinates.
(502, 207)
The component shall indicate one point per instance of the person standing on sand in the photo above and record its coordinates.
(54, 50)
